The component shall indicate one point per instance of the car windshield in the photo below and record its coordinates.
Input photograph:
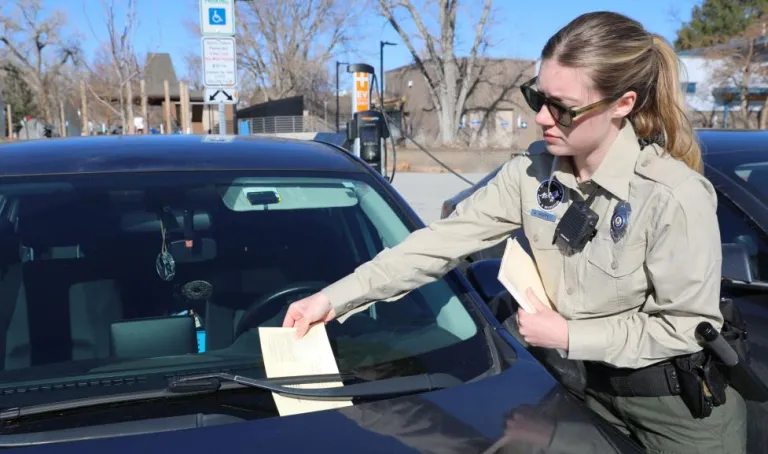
(115, 279)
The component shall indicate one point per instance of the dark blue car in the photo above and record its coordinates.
(136, 271)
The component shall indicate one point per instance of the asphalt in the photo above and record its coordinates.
(425, 192)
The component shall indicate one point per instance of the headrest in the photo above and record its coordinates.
(152, 337)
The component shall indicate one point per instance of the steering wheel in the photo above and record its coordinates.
(271, 304)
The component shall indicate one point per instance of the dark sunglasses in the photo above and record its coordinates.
(562, 114)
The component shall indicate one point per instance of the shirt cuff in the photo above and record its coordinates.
(587, 339)
(343, 294)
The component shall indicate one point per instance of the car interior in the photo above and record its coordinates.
(86, 283)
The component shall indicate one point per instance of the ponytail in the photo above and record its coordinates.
(663, 113)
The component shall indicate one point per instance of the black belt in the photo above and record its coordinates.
(652, 381)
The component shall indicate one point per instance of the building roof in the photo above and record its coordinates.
(478, 60)
(154, 153)
(159, 68)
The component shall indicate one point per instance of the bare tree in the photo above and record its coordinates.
(729, 36)
(119, 59)
(285, 45)
(740, 64)
(36, 49)
(449, 79)
(193, 71)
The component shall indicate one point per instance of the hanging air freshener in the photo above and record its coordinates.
(165, 264)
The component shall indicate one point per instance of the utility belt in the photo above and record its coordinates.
(700, 379)
(696, 378)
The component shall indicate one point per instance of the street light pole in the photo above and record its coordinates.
(338, 63)
(381, 65)
(381, 84)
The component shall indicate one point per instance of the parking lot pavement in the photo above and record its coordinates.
(425, 192)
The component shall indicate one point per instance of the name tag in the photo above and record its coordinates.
(550, 217)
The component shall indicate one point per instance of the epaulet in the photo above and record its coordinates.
(657, 165)
(537, 152)
(536, 148)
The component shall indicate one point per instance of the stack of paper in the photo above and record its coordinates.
(286, 356)
(518, 272)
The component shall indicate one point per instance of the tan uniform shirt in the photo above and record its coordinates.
(629, 303)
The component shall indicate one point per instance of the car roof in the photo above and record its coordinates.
(719, 141)
(728, 148)
(173, 152)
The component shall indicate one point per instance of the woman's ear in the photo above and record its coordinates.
(625, 104)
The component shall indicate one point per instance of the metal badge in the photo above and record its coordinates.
(620, 220)
(549, 194)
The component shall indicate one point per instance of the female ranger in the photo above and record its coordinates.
(623, 228)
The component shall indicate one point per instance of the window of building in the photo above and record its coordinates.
(688, 87)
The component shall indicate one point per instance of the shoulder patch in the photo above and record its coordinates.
(663, 169)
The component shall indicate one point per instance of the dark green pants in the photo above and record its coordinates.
(664, 424)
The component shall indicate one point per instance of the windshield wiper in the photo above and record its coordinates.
(379, 388)
(213, 382)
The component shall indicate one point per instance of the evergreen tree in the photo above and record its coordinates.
(17, 94)
(718, 21)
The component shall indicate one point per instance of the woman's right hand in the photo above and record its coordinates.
(309, 311)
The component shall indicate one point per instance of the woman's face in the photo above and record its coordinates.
(573, 88)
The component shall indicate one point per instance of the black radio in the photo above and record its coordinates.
(578, 225)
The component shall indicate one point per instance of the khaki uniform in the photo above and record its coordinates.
(631, 301)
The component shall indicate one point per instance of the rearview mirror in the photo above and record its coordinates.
(736, 265)
(483, 275)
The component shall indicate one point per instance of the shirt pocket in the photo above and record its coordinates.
(615, 277)
(539, 232)
(548, 258)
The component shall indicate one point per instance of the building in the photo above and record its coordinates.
(711, 82)
(495, 114)
(291, 115)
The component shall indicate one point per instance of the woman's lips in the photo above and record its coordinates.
(551, 138)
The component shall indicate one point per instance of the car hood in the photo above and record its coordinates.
(522, 410)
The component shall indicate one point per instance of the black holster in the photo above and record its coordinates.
(702, 384)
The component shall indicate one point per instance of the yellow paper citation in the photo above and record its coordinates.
(286, 356)
(518, 272)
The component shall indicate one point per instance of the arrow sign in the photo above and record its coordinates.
(222, 92)
(220, 95)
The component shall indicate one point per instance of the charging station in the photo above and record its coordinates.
(368, 129)
(366, 132)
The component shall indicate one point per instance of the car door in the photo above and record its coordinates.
(742, 218)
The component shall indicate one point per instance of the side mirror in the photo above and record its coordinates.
(483, 275)
(736, 265)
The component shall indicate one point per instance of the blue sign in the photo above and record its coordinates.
(217, 16)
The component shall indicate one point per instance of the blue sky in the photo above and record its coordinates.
(521, 29)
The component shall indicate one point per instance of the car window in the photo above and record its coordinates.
(126, 276)
(753, 175)
(735, 227)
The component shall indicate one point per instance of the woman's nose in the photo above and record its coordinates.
(544, 117)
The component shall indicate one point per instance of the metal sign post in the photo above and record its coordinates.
(219, 54)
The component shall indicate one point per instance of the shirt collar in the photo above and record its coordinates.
(615, 172)
(618, 166)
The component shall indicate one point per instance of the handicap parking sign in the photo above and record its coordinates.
(217, 16)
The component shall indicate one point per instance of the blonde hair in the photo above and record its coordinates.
(620, 56)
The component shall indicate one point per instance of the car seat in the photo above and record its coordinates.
(62, 311)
